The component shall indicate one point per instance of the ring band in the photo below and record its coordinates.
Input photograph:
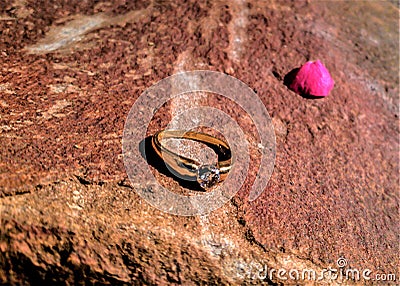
(206, 175)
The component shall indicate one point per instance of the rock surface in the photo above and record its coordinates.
(70, 71)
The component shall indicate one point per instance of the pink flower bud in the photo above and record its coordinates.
(312, 79)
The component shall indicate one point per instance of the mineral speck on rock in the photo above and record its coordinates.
(312, 79)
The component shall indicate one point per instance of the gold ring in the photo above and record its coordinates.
(206, 175)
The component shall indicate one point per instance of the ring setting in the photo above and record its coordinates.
(208, 176)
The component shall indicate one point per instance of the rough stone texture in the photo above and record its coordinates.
(70, 71)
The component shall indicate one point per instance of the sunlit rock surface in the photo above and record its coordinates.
(70, 73)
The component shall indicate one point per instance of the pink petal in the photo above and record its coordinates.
(312, 79)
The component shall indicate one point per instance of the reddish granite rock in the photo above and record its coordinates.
(70, 72)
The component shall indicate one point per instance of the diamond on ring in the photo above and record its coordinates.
(208, 176)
